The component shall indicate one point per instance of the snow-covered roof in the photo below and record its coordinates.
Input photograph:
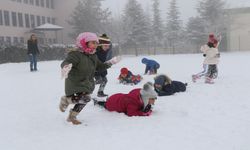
(48, 26)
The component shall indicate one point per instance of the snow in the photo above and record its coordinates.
(205, 117)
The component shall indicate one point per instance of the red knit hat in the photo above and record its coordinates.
(124, 71)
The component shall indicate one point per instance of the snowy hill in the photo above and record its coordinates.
(206, 117)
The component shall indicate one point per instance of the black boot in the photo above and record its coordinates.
(101, 94)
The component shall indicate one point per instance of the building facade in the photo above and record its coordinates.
(238, 30)
(18, 18)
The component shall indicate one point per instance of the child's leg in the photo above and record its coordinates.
(203, 73)
(101, 87)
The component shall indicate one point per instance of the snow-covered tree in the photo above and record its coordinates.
(135, 25)
(174, 26)
(89, 16)
(157, 25)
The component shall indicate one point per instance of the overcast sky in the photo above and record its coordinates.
(187, 7)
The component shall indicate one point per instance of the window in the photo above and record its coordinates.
(25, 1)
(14, 19)
(6, 18)
(37, 2)
(43, 20)
(20, 1)
(47, 3)
(38, 20)
(48, 19)
(53, 20)
(52, 4)
(42, 3)
(32, 21)
(8, 40)
(32, 2)
(20, 19)
(1, 40)
(27, 20)
(22, 40)
(1, 17)
(15, 40)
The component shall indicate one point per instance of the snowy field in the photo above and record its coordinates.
(206, 117)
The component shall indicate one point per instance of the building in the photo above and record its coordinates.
(18, 18)
(238, 30)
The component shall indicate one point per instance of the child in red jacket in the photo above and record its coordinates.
(137, 102)
(127, 77)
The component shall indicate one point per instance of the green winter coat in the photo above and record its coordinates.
(81, 75)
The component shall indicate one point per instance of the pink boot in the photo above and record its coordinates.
(195, 77)
(209, 80)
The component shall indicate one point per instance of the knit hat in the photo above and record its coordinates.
(148, 92)
(124, 71)
(83, 38)
(104, 40)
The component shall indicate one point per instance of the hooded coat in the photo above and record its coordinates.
(131, 104)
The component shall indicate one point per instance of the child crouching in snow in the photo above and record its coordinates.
(79, 68)
(164, 86)
(151, 66)
(137, 102)
(127, 77)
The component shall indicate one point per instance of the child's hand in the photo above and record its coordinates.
(65, 71)
(114, 60)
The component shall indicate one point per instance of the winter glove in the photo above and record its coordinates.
(147, 108)
(65, 71)
(114, 60)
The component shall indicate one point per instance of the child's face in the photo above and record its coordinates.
(105, 47)
(124, 75)
(151, 101)
(92, 44)
(157, 86)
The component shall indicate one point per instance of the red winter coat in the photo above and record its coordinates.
(131, 104)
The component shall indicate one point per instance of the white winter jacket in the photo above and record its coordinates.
(212, 55)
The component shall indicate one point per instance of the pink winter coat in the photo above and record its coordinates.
(131, 104)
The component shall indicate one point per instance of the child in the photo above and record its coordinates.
(215, 42)
(151, 66)
(79, 68)
(137, 102)
(102, 52)
(126, 77)
(164, 86)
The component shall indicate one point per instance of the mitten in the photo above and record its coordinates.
(114, 60)
(65, 71)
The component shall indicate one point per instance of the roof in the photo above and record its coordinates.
(241, 10)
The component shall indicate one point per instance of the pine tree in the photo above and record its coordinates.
(157, 25)
(88, 16)
(135, 25)
(174, 26)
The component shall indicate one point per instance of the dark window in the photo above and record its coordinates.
(53, 20)
(6, 18)
(27, 20)
(1, 40)
(47, 3)
(20, 19)
(52, 4)
(32, 2)
(37, 3)
(25, 1)
(8, 40)
(1, 17)
(38, 20)
(15, 40)
(20, 1)
(43, 20)
(32, 21)
(48, 19)
(14, 19)
(22, 40)
(42, 3)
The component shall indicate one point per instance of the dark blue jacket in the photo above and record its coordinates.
(170, 89)
(102, 56)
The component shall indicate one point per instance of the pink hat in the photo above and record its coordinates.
(83, 38)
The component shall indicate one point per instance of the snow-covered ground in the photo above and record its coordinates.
(205, 117)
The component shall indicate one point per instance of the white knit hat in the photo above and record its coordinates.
(148, 92)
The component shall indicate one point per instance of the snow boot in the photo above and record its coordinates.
(101, 94)
(64, 103)
(194, 78)
(209, 80)
(72, 117)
